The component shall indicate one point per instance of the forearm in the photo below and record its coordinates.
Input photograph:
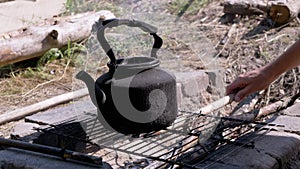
(288, 60)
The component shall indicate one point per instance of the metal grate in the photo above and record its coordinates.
(191, 142)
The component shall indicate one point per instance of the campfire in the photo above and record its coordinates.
(184, 144)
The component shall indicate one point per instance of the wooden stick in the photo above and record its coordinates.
(25, 111)
(257, 114)
(35, 40)
(271, 108)
(216, 104)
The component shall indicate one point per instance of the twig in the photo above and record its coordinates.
(225, 40)
(273, 39)
(269, 109)
(273, 107)
(50, 81)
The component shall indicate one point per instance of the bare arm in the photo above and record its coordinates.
(287, 61)
(261, 78)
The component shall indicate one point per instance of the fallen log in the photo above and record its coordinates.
(280, 11)
(284, 11)
(56, 32)
(28, 110)
(253, 7)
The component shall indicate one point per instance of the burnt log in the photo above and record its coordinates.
(280, 11)
(33, 41)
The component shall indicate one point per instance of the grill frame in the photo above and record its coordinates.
(229, 131)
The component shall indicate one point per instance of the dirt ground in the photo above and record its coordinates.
(255, 41)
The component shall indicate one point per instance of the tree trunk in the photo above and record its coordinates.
(33, 41)
(280, 11)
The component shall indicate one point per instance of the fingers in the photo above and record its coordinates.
(241, 94)
(241, 87)
(248, 83)
(239, 83)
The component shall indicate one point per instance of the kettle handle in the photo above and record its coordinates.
(102, 24)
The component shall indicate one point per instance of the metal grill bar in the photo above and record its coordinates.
(178, 145)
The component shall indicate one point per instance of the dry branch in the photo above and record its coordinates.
(56, 32)
(25, 111)
(280, 11)
(258, 113)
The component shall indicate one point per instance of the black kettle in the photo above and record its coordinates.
(136, 95)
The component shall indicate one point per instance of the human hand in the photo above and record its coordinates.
(248, 83)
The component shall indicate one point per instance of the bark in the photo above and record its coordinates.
(280, 11)
(33, 41)
(245, 7)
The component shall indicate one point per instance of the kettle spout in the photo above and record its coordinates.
(90, 84)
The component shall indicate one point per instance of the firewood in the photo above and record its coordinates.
(284, 11)
(33, 41)
(280, 11)
(246, 7)
(28, 110)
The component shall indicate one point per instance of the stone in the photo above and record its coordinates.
(61, 114)
(294, 110)
(284, 123)
(243, 158)
(25, 131)
(216, 81)
(281, 146)
(62, 137)
(271, 149)
(192, 82)
(179, 95)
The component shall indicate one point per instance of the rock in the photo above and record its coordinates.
(271, 149)
(192, 82)
(179, 95)
(293, 110)
(61, 114)
(25, 131)
(285, 123)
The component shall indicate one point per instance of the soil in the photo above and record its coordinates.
(254, 42)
